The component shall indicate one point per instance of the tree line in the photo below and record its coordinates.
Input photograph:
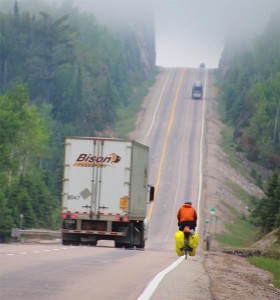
(60, 74)
(250, 94)
(249, 84)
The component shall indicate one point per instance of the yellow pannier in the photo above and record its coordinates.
(193, 243)
(179, 242)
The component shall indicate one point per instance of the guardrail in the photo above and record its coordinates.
(31, 235)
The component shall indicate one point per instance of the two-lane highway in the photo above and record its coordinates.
(172, 126)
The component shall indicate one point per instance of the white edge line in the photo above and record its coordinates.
(157, 279)
(201, 152)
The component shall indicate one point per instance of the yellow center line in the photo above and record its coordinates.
(166, 140)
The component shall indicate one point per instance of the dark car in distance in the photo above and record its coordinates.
(197, 90)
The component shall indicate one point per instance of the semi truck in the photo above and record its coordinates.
(105, 192)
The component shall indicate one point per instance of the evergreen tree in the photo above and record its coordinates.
(267, 212)
(6, 219)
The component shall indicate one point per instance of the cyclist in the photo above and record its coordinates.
(187, 216)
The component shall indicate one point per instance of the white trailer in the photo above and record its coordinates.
(105, 192)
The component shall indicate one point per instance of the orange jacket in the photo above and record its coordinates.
(186, 213)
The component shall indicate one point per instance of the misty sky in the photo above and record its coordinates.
(189, 32)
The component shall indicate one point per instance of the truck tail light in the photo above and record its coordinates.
(116, 218)
(63, 216)
(125, 219)
(72, 217)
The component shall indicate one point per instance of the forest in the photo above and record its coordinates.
(249, 96)
(250, 91)
(61, 74)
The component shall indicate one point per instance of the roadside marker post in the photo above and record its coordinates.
(212, 212)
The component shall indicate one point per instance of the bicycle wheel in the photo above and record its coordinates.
(186, 248)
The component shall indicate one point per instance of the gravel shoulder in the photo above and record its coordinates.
(232, 277)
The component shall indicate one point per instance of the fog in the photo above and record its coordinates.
(190, 32)
(187, 32)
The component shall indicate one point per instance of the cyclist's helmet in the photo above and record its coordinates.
(188, 202)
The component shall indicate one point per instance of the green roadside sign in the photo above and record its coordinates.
(206, 222)
(212, 210)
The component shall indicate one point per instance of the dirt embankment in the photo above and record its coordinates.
(231, 276)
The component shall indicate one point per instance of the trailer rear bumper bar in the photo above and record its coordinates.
(94, 232)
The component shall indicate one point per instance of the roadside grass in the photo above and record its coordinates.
(127, 115)
(126, 122)
(273, 250)
(241, 194)
(229, 148)
(241, 233)
(269, 264)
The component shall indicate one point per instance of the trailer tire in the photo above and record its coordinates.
(142, 245)
(118, 245)
(75, 243)
(128, 246)
(66, 242)
(142, 238)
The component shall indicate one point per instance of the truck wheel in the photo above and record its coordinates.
(142, 245)
(75, 243)
(142, 240)
(118, 245)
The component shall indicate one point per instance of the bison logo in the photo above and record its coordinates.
(89, 160)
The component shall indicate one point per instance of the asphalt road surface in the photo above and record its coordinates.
(171, 123)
